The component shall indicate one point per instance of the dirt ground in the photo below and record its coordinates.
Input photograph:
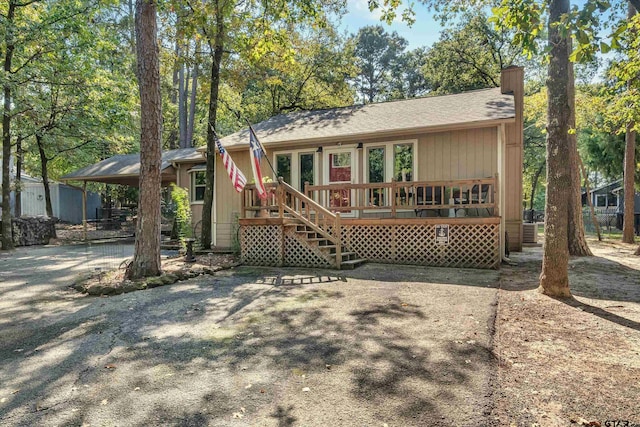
(380, 345)
(576, 361)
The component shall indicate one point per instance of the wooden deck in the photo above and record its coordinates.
(387, 224)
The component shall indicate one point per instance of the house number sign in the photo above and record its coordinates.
(442, 234)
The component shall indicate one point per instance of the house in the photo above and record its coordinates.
(183, 167)
(619, 192)
(66, 200)
(431, 181)
(603, 196)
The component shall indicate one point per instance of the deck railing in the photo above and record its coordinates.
(407, 195)
(283, 198)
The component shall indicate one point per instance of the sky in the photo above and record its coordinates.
(424, 31)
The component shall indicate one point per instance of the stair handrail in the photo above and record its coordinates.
(311, 205)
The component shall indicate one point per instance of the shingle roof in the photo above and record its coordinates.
(129, 165)
(361, 120)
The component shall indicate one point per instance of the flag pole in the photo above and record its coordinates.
(262, 148)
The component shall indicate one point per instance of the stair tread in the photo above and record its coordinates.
(354, 261)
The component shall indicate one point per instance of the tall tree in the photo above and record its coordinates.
(629, 160)
(378, 54)
(146, 258)
(554, 278)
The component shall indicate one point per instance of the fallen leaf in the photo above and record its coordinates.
(110, 366)
(248, 386)
(15, 391)
(18, 350)
(136, 389)
(242, 410)
(328, 367)
(261, 390)
(237, 415)
(306, 389)
(104, 402)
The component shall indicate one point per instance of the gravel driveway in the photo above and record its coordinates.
(382, 345)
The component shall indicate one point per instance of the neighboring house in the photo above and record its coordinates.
(183, 167)
(603, 196)
(66, 201)
(432, 181)
(619, 191)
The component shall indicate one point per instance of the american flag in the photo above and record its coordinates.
(236, 175)
(256, 151)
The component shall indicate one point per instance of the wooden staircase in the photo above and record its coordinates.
(316, 225)
(348, 260)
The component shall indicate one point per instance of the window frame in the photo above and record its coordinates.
(193, 186)
(389, 157)
(295, 164)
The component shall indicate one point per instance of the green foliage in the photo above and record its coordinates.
(180, 199)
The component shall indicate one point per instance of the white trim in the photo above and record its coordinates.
(354, 171)
(502, 138)
(388, 158)
(388, 164)
(295, 165)
(192, 189)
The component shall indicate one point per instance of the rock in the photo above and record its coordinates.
(154, 282)
(33, 230)
(129, 286)
(99, 289)
(140, 285)
(169, 279)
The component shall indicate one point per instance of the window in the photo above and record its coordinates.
(296, 167)
(392, 160)
(403, 162)
(198, 184)
(341, 160)
(376, 164)
(307, 169)
(283, 167)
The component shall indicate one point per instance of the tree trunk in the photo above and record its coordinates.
(629, 169)
(554, 279)
(44, 161)
(7, 234)
(534, 186)
(576, 238)
(182, 104)
(146, 258)
(594, 218)
(637, 252)
(18, 182)
(192, 101)
(213, 110)
(173, 98)
(629, 180)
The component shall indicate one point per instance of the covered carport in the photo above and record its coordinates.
(124, 169)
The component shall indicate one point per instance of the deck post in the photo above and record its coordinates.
(84, 210)
(393, 197)
(280, 194)
(338, 234)
(243, 204)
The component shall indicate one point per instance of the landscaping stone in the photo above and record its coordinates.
(169, 279)
(154, 282)
(33, 230)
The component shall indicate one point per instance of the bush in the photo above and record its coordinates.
(180, 199)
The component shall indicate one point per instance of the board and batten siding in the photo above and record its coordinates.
(512, 80)
(227, 199)
(462, 154)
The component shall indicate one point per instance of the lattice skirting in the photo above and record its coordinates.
(470, 245)
(264, 245)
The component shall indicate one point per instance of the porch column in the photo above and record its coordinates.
(501, 186)
(84, 210)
